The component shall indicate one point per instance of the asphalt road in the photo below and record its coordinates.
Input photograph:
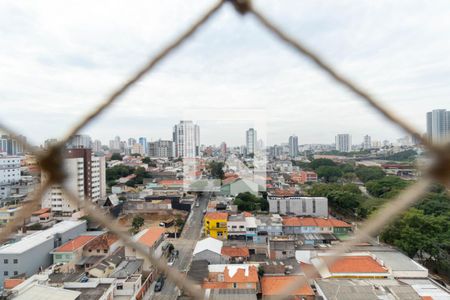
(185, 245)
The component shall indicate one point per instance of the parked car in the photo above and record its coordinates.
(159, 283)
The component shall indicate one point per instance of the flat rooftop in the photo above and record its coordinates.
(397, 261)
(30, 241)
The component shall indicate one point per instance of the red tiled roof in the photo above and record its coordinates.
(235, 251)
(76, 243)
(151, 236)
(11, 283)
(274, 285)
(102, 242)
(229, 180)
(247, 214)
(217, 215)
(339, 223)
(170, 182)
(41, 211)
(238, 276)
(356, 264)
(46, 215)
(319, 222)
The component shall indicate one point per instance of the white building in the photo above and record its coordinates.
(251, 139)
(344, 142)
(9, 170)
(367, 143)
(80, 141)
(186, 139)
(137, 149)
(85, 178)
(299, 206)
(438, 125)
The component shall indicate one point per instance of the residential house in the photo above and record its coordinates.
(234, 276)
(104, 245)
(322, 227)
(268, 226)
(273, 286)
(236, 226)
(281, 247)
(215, 225)
(150, 238)
(304, 177)
(235, 254)
(72, 251)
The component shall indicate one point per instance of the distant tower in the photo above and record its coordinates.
(344, 142)
(438, 126)
(251, 139)
(186, 139)
(367, 144)
(293, 146)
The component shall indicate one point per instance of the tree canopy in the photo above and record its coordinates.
(329, 173)
(386, 187)
(116, 156)
(249, 202)
(366, 174)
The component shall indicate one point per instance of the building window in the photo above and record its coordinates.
(15, 261)
(234, 285)
(120, 286)
(5, 273)
(105, 250)
(16, 273)
(314, 206)
(5, 261)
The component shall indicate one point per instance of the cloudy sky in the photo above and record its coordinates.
(58, 59)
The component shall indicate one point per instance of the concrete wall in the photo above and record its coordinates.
(211, 257)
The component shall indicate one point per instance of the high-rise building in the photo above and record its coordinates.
(367, 143)
(251, 140)
(143, 142)
(344, 142)
(12, 146)
(186, 139)
(438, 126)
(137, 149)
(97, 146)
(223, 149)
(80, 141)
(160, 148)
(293, 146)
(9, 170)
(131, 142)
(85, 178)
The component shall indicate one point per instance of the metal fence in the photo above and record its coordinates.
(51, 162)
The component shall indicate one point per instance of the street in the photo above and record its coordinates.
(185, 245)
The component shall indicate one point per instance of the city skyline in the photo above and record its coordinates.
(207, 73)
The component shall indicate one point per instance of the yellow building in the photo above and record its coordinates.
(215, 225)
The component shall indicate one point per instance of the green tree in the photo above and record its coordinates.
(249, 202)
(217, 170)
(137, 223)
(116, 156)
(317, 163)
(386, 187)
(329, 173)
(366, 174)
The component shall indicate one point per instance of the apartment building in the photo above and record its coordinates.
(85, 178)
(9, 169)
(299, 206)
